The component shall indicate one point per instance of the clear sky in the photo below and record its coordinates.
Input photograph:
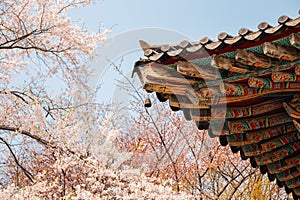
(189, 19)
(195, 18)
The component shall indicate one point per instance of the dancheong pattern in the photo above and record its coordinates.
(250, 83)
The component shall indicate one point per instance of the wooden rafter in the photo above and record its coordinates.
(255, 76)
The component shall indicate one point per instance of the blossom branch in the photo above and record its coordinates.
(26, 172)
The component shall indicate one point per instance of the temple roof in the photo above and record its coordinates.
(249, 85)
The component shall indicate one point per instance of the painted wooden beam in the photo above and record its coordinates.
(257, 136)
(228, 64)
(281, 52)
(278, 154)
(278, 84)
(284, 77)
(255, 123)
(252, 110)
(237, 89)
(264, 72)
(293, 183)
(288, 174)
(282, 165)
(295, 40)
(292, 110)
(193, 70)
(253, 59)
(182, 101)
(270, 145)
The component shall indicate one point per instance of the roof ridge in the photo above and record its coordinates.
(225, 42)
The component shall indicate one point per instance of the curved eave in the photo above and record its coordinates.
(169, 54)
(251, 80)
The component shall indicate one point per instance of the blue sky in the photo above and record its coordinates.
(174, 21)
(195, 18)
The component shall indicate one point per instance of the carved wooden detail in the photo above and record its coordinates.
(293, 109)
(284, 77)
(193, 70)
(281, 52)
(255, 76)
(295, 40)
(228, 64)
(253, 59)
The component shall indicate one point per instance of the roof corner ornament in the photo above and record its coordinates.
(144, 45)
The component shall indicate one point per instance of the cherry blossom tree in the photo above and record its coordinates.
(166, 145)
(54, 139)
